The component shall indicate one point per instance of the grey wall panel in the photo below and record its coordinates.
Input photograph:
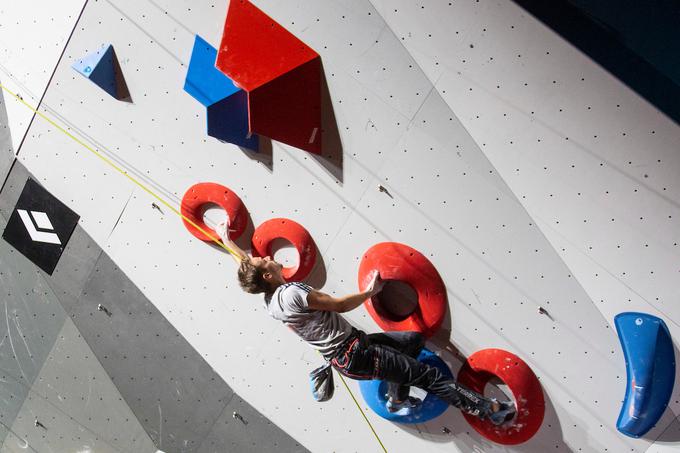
(74, 382)
(12, 189)
(56, 432)
(174, 393)
(74, 268)
(6, 149)
(30, 319)
(48, 372)
(241, 428)
(12, 395)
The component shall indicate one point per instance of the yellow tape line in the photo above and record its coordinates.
(173, 209)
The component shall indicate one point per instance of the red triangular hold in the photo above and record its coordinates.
(288, 109)
(255, 49)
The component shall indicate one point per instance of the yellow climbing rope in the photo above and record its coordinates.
(119, 169)
(172, 208)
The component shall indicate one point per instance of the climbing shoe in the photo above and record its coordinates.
(405, 407)
(504, 414)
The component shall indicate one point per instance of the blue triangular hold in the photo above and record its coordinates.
(204, 82)
(86, 65)
(102, 68)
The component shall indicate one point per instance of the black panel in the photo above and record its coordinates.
(42, 245)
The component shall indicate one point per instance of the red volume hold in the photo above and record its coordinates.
(281, 74)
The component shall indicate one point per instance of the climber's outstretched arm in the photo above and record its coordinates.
(317, 300)
(239, 255)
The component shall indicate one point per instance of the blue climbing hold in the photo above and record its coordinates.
(374, 392)
(227, 105)
(102, 68)
(650, 365)
(204, 82)
(228, 121)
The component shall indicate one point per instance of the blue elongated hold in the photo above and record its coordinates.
(103, 69)
(226, 104)
(650, 365)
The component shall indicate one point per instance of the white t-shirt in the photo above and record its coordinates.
(323, 330)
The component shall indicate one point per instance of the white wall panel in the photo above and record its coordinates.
(493, 294)
(32, 36)
(77, 177)
(594, 164)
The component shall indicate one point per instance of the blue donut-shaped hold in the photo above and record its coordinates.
(374, 392)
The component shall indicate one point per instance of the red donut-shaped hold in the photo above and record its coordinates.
(199, 195)
(296, 234)
(396, 261)
(483, 365)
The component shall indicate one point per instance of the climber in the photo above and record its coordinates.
(390, 356)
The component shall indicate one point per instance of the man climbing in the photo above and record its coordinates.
(390, 356)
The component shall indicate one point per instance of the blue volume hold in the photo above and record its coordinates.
(102, 68)
(374, 392)
(228, 121)
(204, 82)
(227, 104)
(650, 365)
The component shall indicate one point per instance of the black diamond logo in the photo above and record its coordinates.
(40, 226)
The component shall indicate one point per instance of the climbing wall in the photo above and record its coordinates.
(32, 38)
(594, 164)
(56, 396)
(80, 354)
(503, 155)
(6, 149)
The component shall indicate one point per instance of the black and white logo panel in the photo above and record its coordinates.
(40, 226)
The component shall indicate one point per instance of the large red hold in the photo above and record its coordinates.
(395, 261)
(293, 232)
(483, 366)
(280, 73)
(199, 197)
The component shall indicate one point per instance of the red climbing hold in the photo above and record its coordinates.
(288, 109)
(255, 49)
(281, 74)
(482, 366)
(197, 199)
(297, 235)
(396, 261)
